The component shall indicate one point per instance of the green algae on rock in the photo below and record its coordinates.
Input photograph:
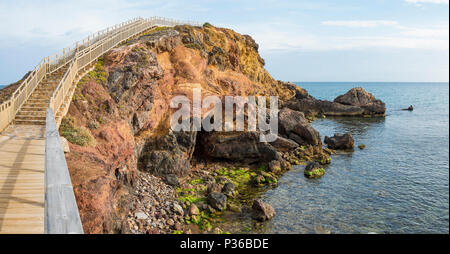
(314, 170)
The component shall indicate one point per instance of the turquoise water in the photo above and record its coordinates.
(398, 184)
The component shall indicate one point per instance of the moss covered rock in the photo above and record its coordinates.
(314, 170)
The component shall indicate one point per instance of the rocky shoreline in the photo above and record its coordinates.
(132, 174)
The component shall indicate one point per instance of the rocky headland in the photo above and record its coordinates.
(132, 174)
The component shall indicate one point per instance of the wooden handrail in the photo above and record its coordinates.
(77, 52)
(61, 210)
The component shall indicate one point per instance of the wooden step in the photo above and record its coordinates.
(25, 108)
(31, 113)
(29, 117)
(29, 122)
(36, 105)
(41, 97)
(38, 100)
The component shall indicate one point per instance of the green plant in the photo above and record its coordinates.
(207, 24)
(76, 135)
(318, 172)
(196, 181)
(99, 73)
(193, 46)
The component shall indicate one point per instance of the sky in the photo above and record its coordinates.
(300, 40)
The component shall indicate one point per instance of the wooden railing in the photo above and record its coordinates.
(77, 56)
(61, 210)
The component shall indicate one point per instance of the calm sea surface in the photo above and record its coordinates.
(398, 184)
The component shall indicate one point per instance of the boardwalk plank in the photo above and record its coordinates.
(22, 190)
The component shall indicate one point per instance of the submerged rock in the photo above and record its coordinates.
(340, 141)
(262, 211)
(314, 170)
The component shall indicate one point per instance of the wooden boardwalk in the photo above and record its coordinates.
(22, 190)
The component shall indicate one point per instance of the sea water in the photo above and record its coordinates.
(398, 184)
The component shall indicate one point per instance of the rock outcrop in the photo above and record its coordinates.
(356, 102)
(294, 126)
(340, 141)
(237, 146)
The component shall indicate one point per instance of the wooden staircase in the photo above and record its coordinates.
(33, 111)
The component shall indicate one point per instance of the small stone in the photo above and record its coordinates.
(170, 222)
(217, 200)
(362, 146)
(234, 208)
(178, 209)
(262, 211)
(217, 231)
(140, 215)
(172, 180)
(208, 179)
(213, 187)
(222, 180)
(275, 166)
(258, 180)
(193, 210)
(228, 189)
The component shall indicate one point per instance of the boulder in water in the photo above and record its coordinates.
(295, 126)
(340, 141)
(356, 102)
(410, 108)
(314, 170)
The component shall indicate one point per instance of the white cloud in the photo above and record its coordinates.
(439, 32)
(289, 37)
(427, 1)
(60, 23)
(360, 23)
